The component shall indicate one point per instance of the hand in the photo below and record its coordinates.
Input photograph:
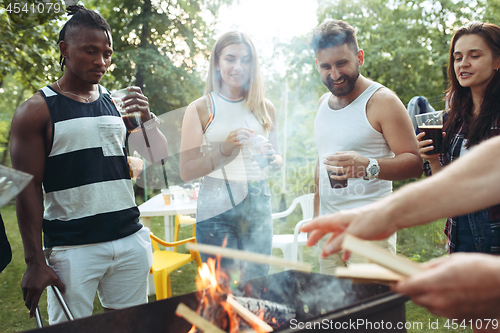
(137, 102)
(462, 286)
(37, 277)
(135, 165)
(369, 222)
(236, 138)
(425, 146)
(270, 154)
(353, 164)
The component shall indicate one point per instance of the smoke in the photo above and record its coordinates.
(310, 294)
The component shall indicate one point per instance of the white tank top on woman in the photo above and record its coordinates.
(344, 130)
(227, 116)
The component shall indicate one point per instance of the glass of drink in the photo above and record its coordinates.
(132, 120)
(336, 171)
(166, 196)
(432, 124)
(259, 151)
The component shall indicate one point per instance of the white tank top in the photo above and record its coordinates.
(344, 130)
(227, 116)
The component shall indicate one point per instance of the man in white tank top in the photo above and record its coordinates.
(362, 130)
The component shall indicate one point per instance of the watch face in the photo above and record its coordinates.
(373, 170)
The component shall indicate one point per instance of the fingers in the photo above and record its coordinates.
(269, 150)
(314, 237)
(269, 146)
(423, 150)
(424, 283)
(339, 156)
(420, 136)
(333, 245)
(342, 172)
(245, 130)
(34, 304)
(324, 222)
(136, 101)
(353, 165)
(271, 158)
(240, 136)
(31, 299)
(425, 146)
(322, 225)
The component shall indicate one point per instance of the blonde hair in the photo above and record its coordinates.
(254, 89)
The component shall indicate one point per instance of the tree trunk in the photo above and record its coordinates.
(145, 34)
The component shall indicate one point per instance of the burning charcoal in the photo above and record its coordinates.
(275, 314)
(211, 308)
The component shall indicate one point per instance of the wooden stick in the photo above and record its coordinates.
(382, 257)
(368, 273)
(247, 315)
(248, 256)
(191, 316)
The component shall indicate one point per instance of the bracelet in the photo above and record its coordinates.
(220, 149)
(153, 122)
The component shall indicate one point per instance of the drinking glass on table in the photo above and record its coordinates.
(132, 120)
(166, 196)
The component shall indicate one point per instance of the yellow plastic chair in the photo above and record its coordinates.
(165, 262)
(183, 220)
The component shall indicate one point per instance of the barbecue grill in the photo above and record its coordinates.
(322, 303)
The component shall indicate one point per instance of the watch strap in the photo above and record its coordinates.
(372, 169)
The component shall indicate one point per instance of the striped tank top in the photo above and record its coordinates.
(88, 191)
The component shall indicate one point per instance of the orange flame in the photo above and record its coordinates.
(212, 282)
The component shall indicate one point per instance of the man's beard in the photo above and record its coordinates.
(345, 90)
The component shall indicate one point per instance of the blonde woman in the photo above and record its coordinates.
(234, 208)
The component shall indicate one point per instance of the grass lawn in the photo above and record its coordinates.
(420, 243)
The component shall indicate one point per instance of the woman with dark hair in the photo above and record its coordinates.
(473, 97)
(234, 207)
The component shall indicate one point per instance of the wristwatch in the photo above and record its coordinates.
(372, 169)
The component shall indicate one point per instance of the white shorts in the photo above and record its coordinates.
(118, 270)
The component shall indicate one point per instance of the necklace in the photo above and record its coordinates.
(239, 99)
(67, 92)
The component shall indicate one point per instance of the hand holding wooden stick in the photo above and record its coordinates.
(249, 256)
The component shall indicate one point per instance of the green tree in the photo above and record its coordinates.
(158, 46)
(406, 42)
(491, 12)
(27, 57)
(28, 41)
(406, 46)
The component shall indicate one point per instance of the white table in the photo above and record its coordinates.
(156, 207)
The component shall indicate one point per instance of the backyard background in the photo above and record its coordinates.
(163, 47)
